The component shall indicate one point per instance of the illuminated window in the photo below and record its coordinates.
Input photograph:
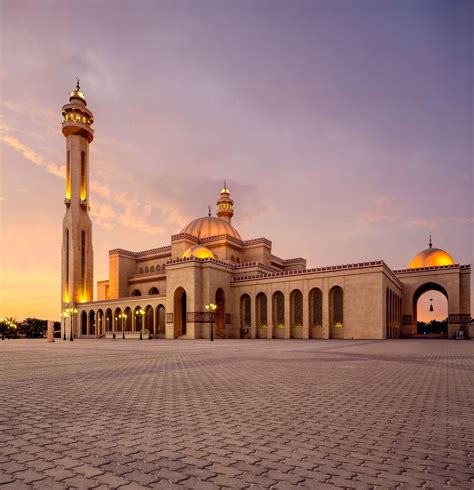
(68, 175)
(84, 120)
(83, 263)
(67, 264)
(83, 176)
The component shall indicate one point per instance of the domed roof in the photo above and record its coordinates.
(198, 251)
(210, 226)
(431, 257)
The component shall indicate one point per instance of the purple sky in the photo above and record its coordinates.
(344, 128)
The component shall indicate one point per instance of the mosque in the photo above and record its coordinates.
(209, 280)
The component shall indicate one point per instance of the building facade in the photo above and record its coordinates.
(163, 293)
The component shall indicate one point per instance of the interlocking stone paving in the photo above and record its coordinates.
(238, 414)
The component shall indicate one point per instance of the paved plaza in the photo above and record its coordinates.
(238, 414)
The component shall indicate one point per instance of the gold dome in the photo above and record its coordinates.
(198, 251)
(431, 257)
(210, 226)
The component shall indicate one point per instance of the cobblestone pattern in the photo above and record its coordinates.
(237, 414)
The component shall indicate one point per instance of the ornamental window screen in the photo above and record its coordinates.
(262, 309)
(279, 308)
(245, 310)
(297, 308)
(317, 308)
(338, 305)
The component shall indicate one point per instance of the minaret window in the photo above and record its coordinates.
(83, 262)
(66, 279)
(83, 176)
(68, 175)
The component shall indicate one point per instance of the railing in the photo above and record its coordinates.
(129, 334)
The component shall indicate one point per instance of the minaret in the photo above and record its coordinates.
(225, 205)
(77, 255)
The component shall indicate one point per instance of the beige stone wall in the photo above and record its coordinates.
(260, 252)
(102, 290)
(465, 292)
(145, 286)
(363, 303)
(120, 268)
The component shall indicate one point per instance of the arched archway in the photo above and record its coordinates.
(127, 322)
(108, 321)
(336, 313)
(100, 323)
(245, 313)
(139, 320)
(180, 312)
(426, 323)
(118, 325)
(83, 323)
(153, 290)
(149, 319)
(220, 313)
(296, 314)
(278, 310)
(136, 292)
(160, 321)
(92, 322)
(315, 313)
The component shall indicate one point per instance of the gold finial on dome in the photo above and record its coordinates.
(225, 190)
(430, 242)
(225, 205)
(76, 93)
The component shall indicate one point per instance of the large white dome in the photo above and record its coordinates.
(210, 226)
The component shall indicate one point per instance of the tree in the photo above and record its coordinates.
(33, 328)
(9, 328)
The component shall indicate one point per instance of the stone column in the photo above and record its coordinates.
(269, 316)
(287, 313)
(253, 318)
(305, 293)
(50, 331)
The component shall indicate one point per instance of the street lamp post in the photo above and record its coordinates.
(122, 316)
(71, 311)
(139, 314)
(211, 308)
(64, 315)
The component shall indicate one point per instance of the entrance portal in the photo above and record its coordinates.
(430, 312)
(220, 312)
(180, 312)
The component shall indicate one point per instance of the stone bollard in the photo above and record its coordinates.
(50, 331)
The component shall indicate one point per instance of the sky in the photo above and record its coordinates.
(344, 129)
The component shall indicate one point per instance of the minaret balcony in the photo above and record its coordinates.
(76, 127)
(84, 203)
(67, 202)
